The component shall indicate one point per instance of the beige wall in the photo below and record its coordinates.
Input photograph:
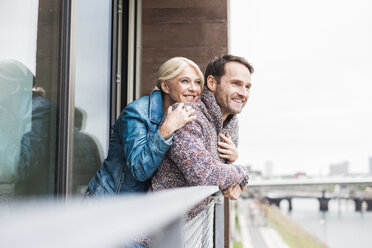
(196, 29)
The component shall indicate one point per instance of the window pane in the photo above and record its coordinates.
(29, 47)
(92, 90)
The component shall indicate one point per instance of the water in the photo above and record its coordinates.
(340, 227)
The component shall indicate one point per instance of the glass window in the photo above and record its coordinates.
(92, 90)
(29, 66)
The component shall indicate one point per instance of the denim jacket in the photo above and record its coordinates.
(136, 149)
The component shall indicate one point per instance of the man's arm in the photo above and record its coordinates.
(197, 164)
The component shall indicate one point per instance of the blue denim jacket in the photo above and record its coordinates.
(136, 149)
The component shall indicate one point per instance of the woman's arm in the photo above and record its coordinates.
(145, 149)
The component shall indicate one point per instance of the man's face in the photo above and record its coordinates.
(233, 90)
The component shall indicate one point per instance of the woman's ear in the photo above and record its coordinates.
(211, 83)
(164, 86)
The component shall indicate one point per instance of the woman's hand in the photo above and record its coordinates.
(176, 119)
(227, 149)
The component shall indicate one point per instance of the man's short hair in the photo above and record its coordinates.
(216, 67)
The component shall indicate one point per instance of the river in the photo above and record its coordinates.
(340, 227)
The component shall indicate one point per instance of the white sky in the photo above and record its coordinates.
(311, 99)
(18, 31)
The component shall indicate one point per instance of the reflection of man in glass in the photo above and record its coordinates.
(37, 161)
(87, 154)
(15, 118)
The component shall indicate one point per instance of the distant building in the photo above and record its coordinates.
(299, 175)
(268, 169)
(248, 167)
(253, 174)
(370, 165)
(340, 169)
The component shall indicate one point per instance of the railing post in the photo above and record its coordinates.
(170, 237)
(219, 220)
(227, 222)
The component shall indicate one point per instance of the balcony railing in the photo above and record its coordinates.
(112, 222)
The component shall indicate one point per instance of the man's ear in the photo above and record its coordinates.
(211, 83)
(164, 86)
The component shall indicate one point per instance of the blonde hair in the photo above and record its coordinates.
(174, 66)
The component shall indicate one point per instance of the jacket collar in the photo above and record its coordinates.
(156, 107)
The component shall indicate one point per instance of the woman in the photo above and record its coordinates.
(138, 143)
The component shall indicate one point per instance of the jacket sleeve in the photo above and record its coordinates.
(144, 150)
(198, 165)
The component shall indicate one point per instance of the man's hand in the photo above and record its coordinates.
(233, 192)
(227, 149)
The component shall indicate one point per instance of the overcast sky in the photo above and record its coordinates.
(18, 31)
(311, 100)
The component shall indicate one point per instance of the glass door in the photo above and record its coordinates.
(92, 89)
(29, 96)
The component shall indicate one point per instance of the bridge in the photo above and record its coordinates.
(275, 190)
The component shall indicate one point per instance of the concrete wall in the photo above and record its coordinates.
(196, 29)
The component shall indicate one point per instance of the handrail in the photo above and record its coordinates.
(106, 222)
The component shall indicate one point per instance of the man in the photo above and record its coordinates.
(193, 159)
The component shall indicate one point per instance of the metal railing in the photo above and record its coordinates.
(111, 222)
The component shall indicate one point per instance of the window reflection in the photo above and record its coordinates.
(16, 82)
(92, 90)
(36, 163)
(29, 89)
(87, 153)
(26, 145)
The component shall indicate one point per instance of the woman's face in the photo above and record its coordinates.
(185, 87)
